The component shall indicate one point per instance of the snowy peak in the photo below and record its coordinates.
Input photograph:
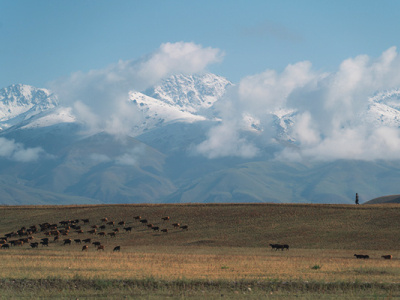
(157, 112)
(180, 98)
(26, 96)
(384, 109)
(20, 102)
(192, 93)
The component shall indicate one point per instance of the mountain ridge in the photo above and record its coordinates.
(159, 161)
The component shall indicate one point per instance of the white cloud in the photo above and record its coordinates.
(333, 129)
(327, 105)
(175, 58)
(254, 98)
(16, 151)
(304, 131)
(132, 157)
(100, 158)
(100, 97)
(223, 141)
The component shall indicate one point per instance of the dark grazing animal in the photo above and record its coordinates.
(176, 225)
(17, 243)
(387, 256)
(34, 245)
(5, 246)
(117, 248)
(184, 227)
(86, 241)
(77, 241)
(361, 256)
(67, 242)
(128, 229)
(164, 230)
(85, 248)
(279, 246)
(165, 218)
(100, 247)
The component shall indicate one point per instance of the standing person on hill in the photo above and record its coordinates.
(357, 199)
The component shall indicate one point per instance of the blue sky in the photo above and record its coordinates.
(44, 40)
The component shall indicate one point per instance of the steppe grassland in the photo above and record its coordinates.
(225, 243)
(192, 264)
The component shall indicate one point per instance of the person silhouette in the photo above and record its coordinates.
(357, 199)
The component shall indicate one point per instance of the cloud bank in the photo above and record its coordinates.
(326, 108)
(100, 97)
(11, 150)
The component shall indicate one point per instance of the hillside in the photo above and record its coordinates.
(50, 155)
(307, 226)
(384, 199)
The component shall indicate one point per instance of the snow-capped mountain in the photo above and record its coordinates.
(44, 157)
(158, 112)
(180, 98)
(192, 93)
(383, 109)
(20, 102)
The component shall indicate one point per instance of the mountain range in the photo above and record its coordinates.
(47, 155)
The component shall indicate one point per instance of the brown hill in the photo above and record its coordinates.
(317, 226)
(385, 199)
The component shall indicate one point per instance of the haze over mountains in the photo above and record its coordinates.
(178, 147)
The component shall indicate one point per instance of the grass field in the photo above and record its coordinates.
(224, 252)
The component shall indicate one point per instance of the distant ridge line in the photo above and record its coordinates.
(385, 199)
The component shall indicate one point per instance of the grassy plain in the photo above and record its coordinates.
(224, 252)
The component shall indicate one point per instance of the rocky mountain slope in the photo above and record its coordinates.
(47, 156)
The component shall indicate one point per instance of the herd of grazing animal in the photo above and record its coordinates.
(364, 256)
(279, 246)
(153, 227)
(358, 256)
(54, 233)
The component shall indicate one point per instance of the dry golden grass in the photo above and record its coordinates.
(175, 263)
(224, 242)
